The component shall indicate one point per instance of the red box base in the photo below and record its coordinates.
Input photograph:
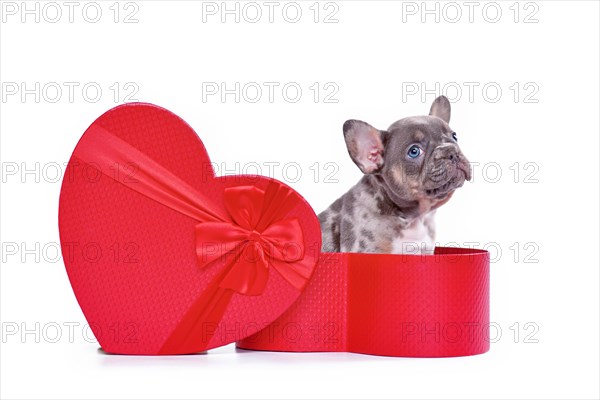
(391, 305)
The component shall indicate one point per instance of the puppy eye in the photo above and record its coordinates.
(454, 136)
(414, 151)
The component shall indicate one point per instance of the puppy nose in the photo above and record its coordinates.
(447, 151)
(448, 154)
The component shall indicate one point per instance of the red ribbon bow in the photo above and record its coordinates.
(253, 243)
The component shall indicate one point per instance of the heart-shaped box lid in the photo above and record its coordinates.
(166, 258)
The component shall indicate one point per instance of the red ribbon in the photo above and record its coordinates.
(278, 245)
(254, 236)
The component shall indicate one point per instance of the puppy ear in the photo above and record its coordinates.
(365, 145)
(441, 108)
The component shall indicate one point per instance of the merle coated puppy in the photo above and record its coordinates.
(411, 169)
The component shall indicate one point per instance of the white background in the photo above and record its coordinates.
(540, 226)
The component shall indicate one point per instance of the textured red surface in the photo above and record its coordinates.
(132, 261)
(392, 305)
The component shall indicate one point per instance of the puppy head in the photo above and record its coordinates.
(417, 158)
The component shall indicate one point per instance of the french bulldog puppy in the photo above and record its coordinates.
(411, 169)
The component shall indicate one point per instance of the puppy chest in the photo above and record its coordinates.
(417, 237)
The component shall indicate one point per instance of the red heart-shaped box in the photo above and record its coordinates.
(166, 258)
